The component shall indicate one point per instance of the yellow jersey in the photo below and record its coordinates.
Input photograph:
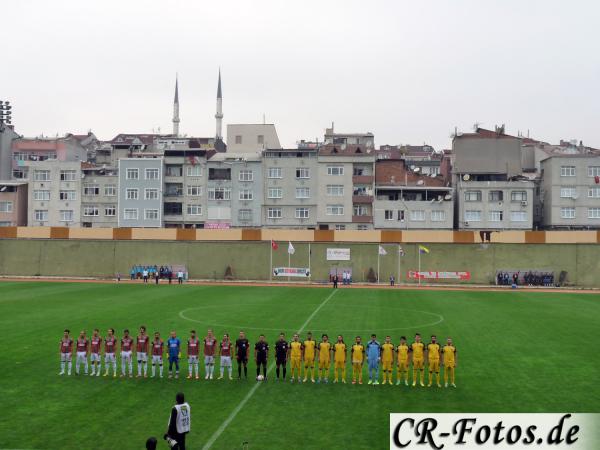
(402, 352)
(340, 351)
(295, 349)
(417, 349)
(433, 351)
(387, 352)
(358, 351)
(324, 349)
(309, 349)
(449, 354)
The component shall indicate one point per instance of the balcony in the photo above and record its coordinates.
(362, 219)
(362, 179)
(362, 199)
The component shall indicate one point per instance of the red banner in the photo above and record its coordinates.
(423, 275)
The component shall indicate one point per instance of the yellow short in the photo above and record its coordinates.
(434, 365)
(448, 366)
(418, 363)
(309, 362)
(403, 366)
(324, 364)
(339, 364)
(357, 364)
(387, 365)
(296, 363)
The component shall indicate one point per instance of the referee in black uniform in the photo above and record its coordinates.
(261, 355)
(281, 355)
(242, 348)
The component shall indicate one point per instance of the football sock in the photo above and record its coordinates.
(239, 371)
(230, 371)
(153, 369)
(415, 372)
(265, 370)
(62, 366)
(245, 371)
(69, 367)
(222, 369)
(190, 369)
(284, 371)
(277, 371)
(161, 369)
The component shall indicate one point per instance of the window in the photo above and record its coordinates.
(238, 139)
(518, 196)
(260, 139)
(67, 195)
(91, 189)
(90, 211)
(68, 175)
(472, 216)
(41, 175)
(246, 175)
(360, 210)
(66, 215)
(594, 171)
(496, 216)
(302, 192)
(274, 172)
(6, 207)
(388, 214)
(41, 195)
(110, 190)
(219, 174)
(335, 210)
(438, 215)
(194, 191)
(19, 173)
(567, 213)
(151, 194)
(275, 192)
(401, 215)
(151, 214)
(244, 214)
(173, 170)
(193, 171)
(173, 209)
(130, 214)
(303, 172)
(301, 213)
(358, 171)
(40, 215)
(335, 170)
(495, 196)
(274, 213)
(246, 194)
(335, 190)
(472, 196)
(567, 171)
(362, 227)
(593, 213)
(594, 192)
(219, 194)
(132, 174)
(518, 216)
(152, 174)
(110, 211)
(340, 227)
(417, 215)
(131, 194)
(568, 192)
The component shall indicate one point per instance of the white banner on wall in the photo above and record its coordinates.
(338, 254)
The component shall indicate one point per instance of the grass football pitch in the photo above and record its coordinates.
(518, 351)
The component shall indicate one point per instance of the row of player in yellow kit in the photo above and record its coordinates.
(386, 355)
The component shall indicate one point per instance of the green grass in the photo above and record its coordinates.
(518, 352)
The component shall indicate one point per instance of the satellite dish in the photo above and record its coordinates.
(412, 167)
(433, 175)
(448, 197)
(466, 177)
(417, 169)
(420, 182)
(575, 196)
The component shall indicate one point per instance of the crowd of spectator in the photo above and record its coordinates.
(156, 273)
(530, 278)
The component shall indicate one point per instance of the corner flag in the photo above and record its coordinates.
(274, 245)
(423, 249)
(382, 251)
(291, 249)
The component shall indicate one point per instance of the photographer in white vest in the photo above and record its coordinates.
(179, 423)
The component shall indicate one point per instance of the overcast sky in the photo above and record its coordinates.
(408, 71)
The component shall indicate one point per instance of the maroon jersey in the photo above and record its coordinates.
(193, 347)
(157, 348)
(96, 343)
(110, 344)
(142, 344)
(66, 345)
(209, 346)
(126, 344)
(226, 348)
(82, 345)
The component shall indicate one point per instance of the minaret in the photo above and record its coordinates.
(176, 109)
(219, 114)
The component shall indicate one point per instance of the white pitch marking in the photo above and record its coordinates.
(250, 393)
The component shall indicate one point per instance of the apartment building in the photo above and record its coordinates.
(140, 199)
(7, 136)
(54, 193)
(291, 188)
(571, 191)
(365, 140)
(13, 203)
(346, 180)
(251, 138)
(99, 196)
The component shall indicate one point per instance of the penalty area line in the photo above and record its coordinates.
(251, 392)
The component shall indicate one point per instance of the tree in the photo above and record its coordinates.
(371, 276)
(228, 273)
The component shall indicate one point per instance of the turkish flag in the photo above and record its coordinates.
(274, 245)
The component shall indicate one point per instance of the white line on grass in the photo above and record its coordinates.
(250, 393)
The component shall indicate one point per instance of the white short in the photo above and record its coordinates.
(193, 359)
(65, 357)
(142, 357)
(109, 357)
(95, 357)
(156, 359)
(126, 356)
(225, 361)
(81, 356)
(209, 360)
